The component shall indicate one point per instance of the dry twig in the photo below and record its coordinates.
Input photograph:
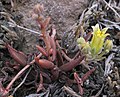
(111, 8)
(71, 92)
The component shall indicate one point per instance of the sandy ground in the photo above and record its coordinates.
(63, 13)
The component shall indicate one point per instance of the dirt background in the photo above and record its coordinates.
(63, 13)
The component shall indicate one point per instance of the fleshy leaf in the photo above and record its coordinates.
(72, 64)
(18, 56)
(79, 82)
(53, 45)
(85, 76)
(44, 63)
(42, 50)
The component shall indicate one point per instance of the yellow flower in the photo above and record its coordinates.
(98, 38)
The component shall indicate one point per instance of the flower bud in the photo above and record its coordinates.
(83, 45)
(86, 48)
(108, 45)
(38, 8)
(81, 40)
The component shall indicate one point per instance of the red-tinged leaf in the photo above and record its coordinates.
(18, 56)
(79, 82)
(53, 45)
(85, 76)
(72, 64)
(78, 79)
(42, 50)
(44, 63)
(46, 39)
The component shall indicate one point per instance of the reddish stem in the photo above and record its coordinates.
(44, 25)
(63, 53)
(20, 72)
(16, 77)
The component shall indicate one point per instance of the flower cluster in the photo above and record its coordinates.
(98, 46)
